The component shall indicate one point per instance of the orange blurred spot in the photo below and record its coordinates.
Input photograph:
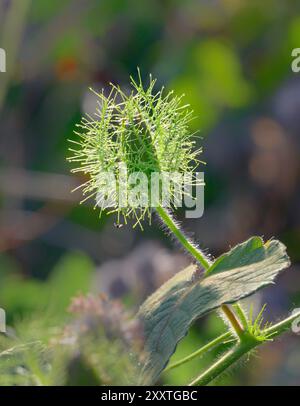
(66, 69)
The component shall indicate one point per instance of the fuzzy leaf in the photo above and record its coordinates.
(167, 315)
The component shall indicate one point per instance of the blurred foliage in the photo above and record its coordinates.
(86, 351)
(232, 60)
(21, 296)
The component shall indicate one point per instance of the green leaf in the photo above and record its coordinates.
(167, 314)
(247, 253)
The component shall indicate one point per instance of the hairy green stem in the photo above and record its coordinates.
(235, 323)
(282, 326)
(196, 253)
(219, 340)
(247, 343)
(223, 363)
(167, 218)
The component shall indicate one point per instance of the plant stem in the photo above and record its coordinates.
(200, 351)
(223, 363)
(233, 320)
(168, 219)
(196, 253)
(247, 343)
(282, 326)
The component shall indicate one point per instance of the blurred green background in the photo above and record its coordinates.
(232, 59)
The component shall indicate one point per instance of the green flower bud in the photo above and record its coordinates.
(145, 132)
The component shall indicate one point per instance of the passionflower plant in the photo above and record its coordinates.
(133, 137)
